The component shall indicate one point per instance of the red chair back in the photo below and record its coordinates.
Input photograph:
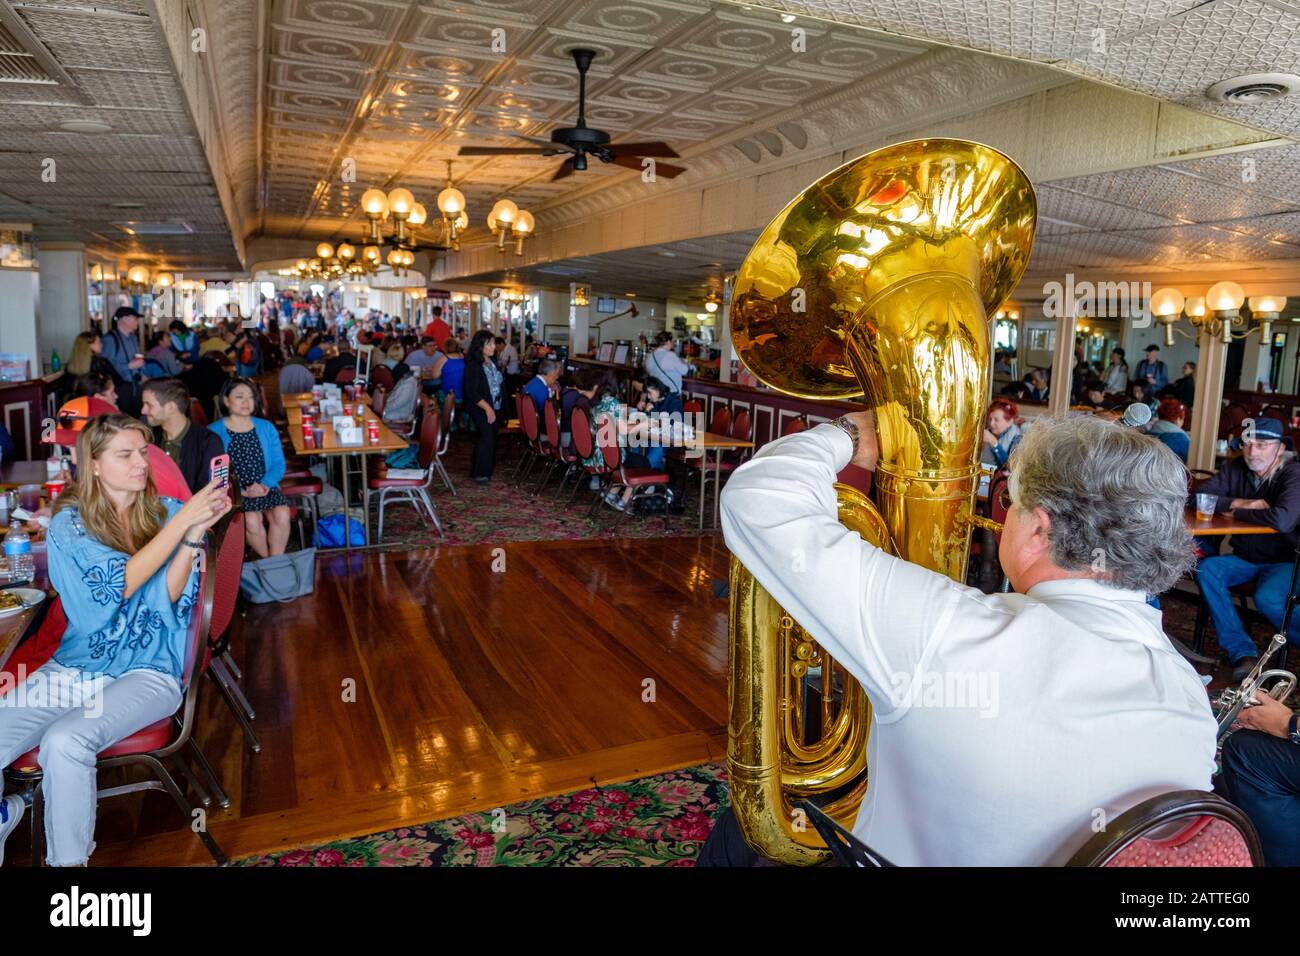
(1182, 828)
(721, 421)
(200, 650)
(382, 377)
(582, 439)
(794, 426)
(740, 428)
(229, 565)
(528, 417)
(552, 426)
(693, 407)
(197, 415)
(346, 377)
(378, 401)
(610, 451)
(430, 429)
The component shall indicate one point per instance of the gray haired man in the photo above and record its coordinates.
(1095, 709)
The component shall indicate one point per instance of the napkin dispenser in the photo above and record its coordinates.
(330, 407)
(347, 432)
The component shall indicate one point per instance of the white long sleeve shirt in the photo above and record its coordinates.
(1007, 729)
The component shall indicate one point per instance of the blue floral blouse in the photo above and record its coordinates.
(107, 633)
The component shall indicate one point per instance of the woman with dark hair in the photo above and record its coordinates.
(96, 385)
(126, 564)
(257, 457)
(483, 394)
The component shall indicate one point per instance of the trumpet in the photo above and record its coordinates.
(1232, 700)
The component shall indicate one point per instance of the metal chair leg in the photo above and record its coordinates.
(218, 791)
(383, 496)
(254, 744)
(428, 503)
(229, 661)
(165, 778)
(218, 667)
(200, 793)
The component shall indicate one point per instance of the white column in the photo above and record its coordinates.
(1207, 406)
(62, 313)
(1255, 362)
(579, 321)
(1062, 381)
(724, 332)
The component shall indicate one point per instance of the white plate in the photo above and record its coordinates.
(31, 596)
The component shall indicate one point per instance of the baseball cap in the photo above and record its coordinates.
(124, 311)
(1266, 429)
(1152, 348)
(73, 416)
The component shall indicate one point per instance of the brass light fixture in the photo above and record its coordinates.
(1218, 312)
(508, 221)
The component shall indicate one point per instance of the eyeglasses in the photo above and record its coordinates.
(1004, 498)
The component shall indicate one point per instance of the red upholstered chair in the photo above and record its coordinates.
(304, 491)
(536, 450)
(795, 425)
(721, 422)
(640, 480)
(415, 491)
(582, 442)
(381, 376)
(1182, 828)
(444, 436)
(197, 415)
(346, 377)
(378, 401)
(153, 748)
(555, 455)
(693, 407)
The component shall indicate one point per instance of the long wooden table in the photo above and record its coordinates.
(330, 446)
(14, 626)
(16, 473)
(299, 399)
(717, 444)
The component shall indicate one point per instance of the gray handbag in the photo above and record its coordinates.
(281, 578)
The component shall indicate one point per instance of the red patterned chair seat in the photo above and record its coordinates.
(1204, 841)
(1180, 828)
(377, 484)
(300, 487)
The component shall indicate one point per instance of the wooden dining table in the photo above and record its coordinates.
(14, 474)
(330, 447)
(299, 399)
(708, 442)
(1221, 524)
(14, 626)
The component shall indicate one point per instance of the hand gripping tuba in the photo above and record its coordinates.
(876, 280)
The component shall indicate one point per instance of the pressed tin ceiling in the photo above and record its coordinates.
(112, 68)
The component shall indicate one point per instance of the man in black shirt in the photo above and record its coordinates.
(190, 445)
(345, 359)
(1261, 487)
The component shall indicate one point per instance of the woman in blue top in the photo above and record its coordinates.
(125, 563)
(453, 370)
(257, 457)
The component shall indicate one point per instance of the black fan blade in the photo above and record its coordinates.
(564, 171)
(509, 151)
(657, 150)
(661, 169)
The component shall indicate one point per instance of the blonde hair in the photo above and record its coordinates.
(98, 513)
(396, 353)
(82, 353)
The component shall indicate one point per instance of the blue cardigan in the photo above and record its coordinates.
(268, 438)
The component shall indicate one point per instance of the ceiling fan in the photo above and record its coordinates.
(581, 141)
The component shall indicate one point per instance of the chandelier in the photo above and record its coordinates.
(508, 221)
(1218, 312)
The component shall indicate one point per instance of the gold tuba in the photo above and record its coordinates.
(877, 279)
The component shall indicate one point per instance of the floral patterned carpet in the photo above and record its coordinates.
(655, 821)
(504, 511)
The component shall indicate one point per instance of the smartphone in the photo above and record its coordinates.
(221, 470)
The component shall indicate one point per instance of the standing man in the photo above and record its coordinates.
(437, 329)
(166, 407)
(1261, 487)
(665, 364)
(1152, 372)
(122, 349)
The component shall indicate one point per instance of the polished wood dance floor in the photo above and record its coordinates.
(475, 687)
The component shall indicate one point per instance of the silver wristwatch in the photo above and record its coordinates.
(850, 428)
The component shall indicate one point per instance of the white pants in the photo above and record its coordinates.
(73, 715)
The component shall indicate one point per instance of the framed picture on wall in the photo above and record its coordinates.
(606, 305)
(606, 353)
(555, 334)
(620, 354)
(1042, 340)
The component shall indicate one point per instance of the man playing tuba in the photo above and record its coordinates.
(1007, 729)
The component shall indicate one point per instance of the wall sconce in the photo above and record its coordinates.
(1266, 309)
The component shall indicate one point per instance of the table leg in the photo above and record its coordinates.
(717, 484)
(365, 501)
(704, 472)
(347, 499)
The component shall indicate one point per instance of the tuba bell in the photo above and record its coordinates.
(876, 281)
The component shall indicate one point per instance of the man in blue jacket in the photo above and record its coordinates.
(122, 349)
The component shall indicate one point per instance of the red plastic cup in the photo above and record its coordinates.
(53, 489)
(372, 426)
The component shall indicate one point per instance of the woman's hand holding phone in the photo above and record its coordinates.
(205, 509)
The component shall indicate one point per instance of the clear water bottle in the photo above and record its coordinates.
(18, 550)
